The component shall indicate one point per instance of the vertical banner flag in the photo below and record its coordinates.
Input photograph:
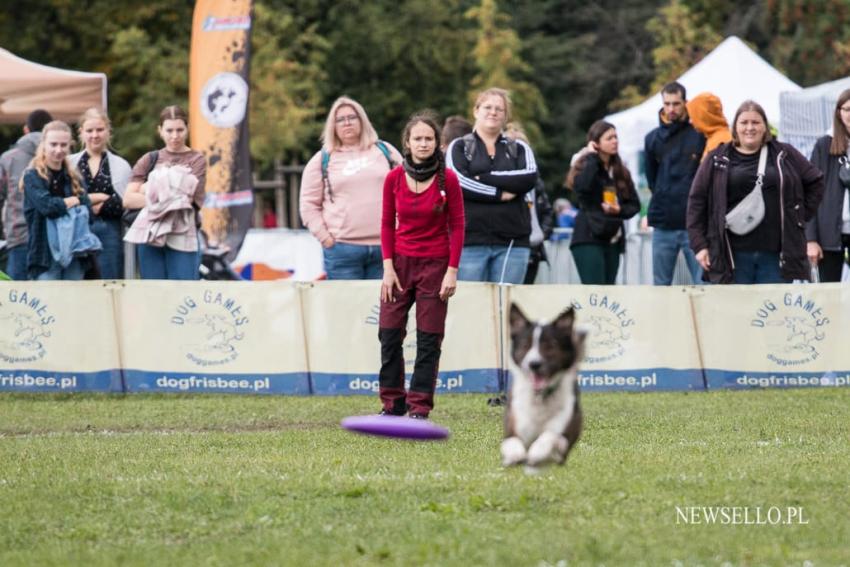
(218, 115)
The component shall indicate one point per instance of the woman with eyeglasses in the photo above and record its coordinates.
(828, 233)
(341, 190)
(496, 175)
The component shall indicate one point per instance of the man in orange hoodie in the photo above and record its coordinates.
(706, 113)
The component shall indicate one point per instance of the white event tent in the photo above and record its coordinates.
(732, 71)
(806, 115)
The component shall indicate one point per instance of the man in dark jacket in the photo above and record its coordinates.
(672, 152)
(13, 163)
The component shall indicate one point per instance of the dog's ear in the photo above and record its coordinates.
(518, 319)
(564, 321)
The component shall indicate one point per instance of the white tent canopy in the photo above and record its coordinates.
(732, 71)
(806, 115)
(26, 86)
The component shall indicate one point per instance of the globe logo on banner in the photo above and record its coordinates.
(224, 100)
(794, 327)
(25, 323)
(609, 323)
(214, 323)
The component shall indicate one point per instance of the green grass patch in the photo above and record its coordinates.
(218, 480)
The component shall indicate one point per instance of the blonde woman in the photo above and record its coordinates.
(105, 175)
(341, 192)
(51, 189)
(495, 174)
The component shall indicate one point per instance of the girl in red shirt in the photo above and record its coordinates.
(421, 241)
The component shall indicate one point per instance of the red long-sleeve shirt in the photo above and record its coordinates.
(413, 225)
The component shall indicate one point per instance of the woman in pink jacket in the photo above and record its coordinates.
(341, 192)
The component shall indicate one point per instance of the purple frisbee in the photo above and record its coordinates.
(395, 426)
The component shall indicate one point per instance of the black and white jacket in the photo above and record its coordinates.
(489, 220)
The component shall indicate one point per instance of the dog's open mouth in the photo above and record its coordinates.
(539, 382)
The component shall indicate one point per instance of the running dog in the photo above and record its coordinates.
(543, 418)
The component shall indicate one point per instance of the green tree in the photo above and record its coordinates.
(682, 40)
(499, 63)
(396, 57)
(810, 38)
(287, 73)
(582, 55)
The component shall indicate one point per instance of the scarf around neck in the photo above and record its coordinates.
(423, 170)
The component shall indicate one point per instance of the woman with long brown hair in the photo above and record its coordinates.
(606, 197)
(421, 242)
(828, 233)
(168, 185)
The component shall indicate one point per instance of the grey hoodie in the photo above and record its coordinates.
(13, 163)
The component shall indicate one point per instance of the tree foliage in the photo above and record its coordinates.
(568, 62)
(498, 59)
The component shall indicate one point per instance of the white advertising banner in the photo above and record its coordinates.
(342, 338)
(641, 338)
(58, 337)
(212, 337)
(774, 335)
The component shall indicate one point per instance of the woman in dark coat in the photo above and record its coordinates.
(775, 250)
(829, 232)
(606, 197)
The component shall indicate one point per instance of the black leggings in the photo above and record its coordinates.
(829, 268)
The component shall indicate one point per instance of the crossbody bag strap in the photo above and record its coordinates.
(762, 167)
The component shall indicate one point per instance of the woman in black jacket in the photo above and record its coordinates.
(828, 233)
(775, 250)
(606, 197)
(495, 174)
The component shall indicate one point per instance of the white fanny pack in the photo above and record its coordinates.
(749, 213)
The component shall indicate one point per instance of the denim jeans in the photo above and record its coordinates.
(16, 262)
(74, 271)
(486, 264)
(164, 263)
(111, 257)
(665, 251)
(345, 261)
(757, 268)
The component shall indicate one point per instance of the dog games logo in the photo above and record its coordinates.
(608, 321)
(216, 324)
(794, 328)
(25, 323)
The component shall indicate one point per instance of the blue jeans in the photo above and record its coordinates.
(111, 258)
(345, 261)
(74, 271)
(16, 262)
(164, 263)
(486, 264)
(665, 251)
(757, 268)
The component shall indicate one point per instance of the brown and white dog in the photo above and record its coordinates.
(543, 419)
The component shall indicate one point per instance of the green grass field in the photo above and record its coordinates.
(191, 480)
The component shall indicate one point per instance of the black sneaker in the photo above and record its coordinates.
(389, 413)
(418, 416)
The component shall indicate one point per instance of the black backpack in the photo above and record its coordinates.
(469, 146)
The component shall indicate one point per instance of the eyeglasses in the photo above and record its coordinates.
(351, 118)
(494, 109)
